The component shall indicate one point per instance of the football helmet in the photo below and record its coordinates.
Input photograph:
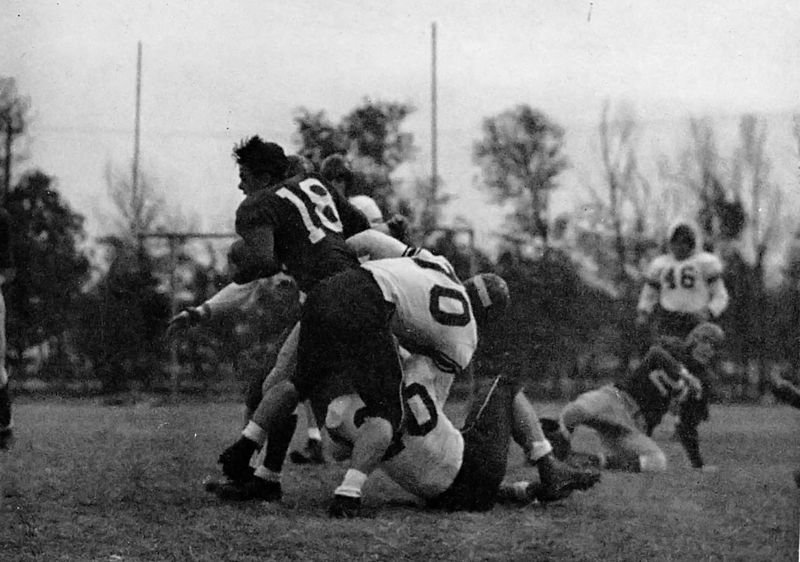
(488, 294)
(706, 332)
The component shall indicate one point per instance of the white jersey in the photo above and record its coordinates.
(690, 285)
(427, 455)
(432, 311)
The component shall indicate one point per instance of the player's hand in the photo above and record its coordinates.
(182, 321)
(398, 227)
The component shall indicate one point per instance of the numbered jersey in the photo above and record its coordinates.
(309, 223)
(656, 381)
(432, 311)
(427, 454)
(686, 285)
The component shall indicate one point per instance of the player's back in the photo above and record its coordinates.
(433, 315)
(309, 223)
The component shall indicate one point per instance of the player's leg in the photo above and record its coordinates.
(487, 433)
(557, 479)
(635, 452)
(6, 431)
(312, 452)
(377, 377)
(603, 411)
(692, 412)
(235, 460)
(276, 411)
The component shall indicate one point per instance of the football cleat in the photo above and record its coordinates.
(344, 507)
(311, 455)
(235, 460)
(253, 489)
(558, 479)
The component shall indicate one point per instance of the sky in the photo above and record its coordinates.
(214, 72)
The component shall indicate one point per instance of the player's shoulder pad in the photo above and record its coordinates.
(709, 264)
(659, 264)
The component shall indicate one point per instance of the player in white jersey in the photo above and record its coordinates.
(683, 287)
(430, 458)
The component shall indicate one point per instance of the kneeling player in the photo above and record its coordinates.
(625, 414)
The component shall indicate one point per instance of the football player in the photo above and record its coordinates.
(683, 287)
(430, 458)
(296, 224)
(624, 414)
(6, 274)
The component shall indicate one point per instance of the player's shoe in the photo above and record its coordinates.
(235, 460)
(253, 489)
(797, 478)
(312, 454)
(558, 479)
(211, 485)
(344, 507)
(6, 438)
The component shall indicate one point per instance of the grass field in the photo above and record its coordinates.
(93, 482)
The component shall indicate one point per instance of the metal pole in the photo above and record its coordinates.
(434, 135)
(135, 182)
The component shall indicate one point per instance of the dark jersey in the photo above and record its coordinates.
(653, 383)
(310, 224)
(5, 240)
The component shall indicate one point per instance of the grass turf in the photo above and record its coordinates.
(92, 482)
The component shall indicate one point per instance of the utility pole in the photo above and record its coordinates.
(136, 131)
(434, 133)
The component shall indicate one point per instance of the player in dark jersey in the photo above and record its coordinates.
(6, 273)
(624, 414)
(296, 224)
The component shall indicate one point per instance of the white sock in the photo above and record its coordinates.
(352, 484)
(520, 490)
(314, 434)
(540, 449)
(254, 432)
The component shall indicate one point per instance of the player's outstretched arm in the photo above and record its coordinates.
(231, 299)
(378, 245)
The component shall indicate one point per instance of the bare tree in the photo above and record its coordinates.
(140, 207)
